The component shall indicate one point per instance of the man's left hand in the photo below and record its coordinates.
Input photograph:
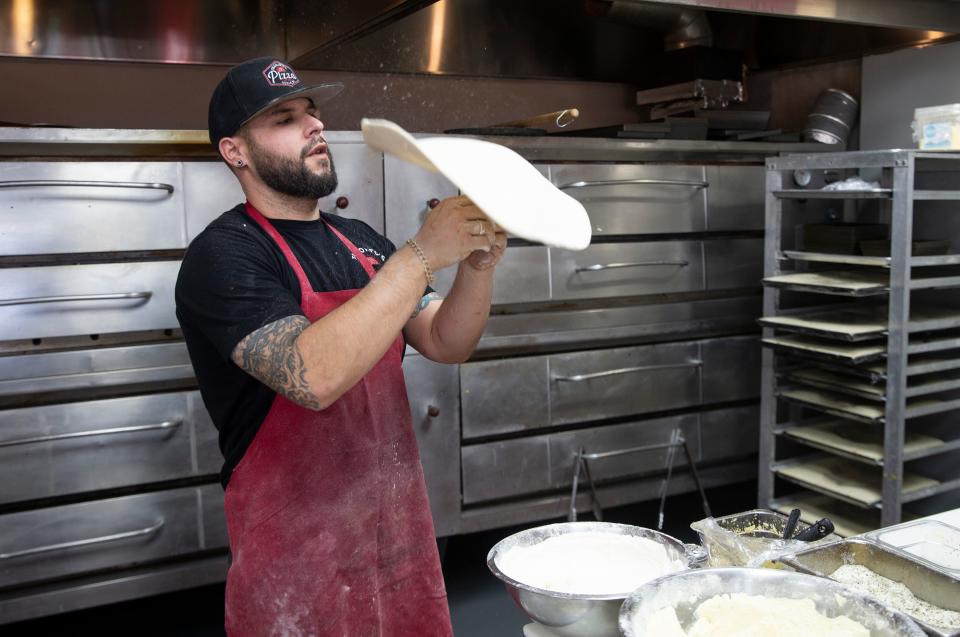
(481, 260)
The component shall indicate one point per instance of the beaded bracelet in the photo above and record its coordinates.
(423, 260)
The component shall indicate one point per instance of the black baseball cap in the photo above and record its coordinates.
(254, 86)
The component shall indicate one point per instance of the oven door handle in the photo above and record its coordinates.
(598, 267)
(150, 530)
(45, 183)
(119, 296)
(681, 183)
(579, 378)
(166, 424)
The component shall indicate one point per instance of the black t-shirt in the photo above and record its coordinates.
(234, 280)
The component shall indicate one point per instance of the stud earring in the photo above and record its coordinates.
(239, 163)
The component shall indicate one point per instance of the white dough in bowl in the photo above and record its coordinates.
(589, 563)
(753, 616)
(507, 187)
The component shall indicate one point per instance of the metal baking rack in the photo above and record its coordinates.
(842, 379)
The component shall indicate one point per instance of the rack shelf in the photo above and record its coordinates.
(843, 381)
(860, 387)
(854, 259)
(853, 283)
(860, 324)
(936, 195)
(883, 193)
(861, 442)
(852, 483)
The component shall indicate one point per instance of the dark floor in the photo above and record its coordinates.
(479, 605)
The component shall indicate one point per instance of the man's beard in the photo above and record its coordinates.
(291, 177)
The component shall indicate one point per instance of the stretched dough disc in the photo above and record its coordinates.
(503, 184)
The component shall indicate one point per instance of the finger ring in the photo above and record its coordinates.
(480, 228)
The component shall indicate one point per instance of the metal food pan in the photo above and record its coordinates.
(760, 523)
(927, 584)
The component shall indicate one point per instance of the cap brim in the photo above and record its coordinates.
(318, 94)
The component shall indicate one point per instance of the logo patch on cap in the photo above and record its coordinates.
(279, 74)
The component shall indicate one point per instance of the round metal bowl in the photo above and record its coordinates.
(685, 591)
(573, 614)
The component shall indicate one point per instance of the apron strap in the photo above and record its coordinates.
(284, 248)
(361, 257)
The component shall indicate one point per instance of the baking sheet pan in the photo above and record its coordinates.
(839, 282)
(853, 353)
(854, 439)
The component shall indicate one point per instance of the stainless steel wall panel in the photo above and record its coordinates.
(209, 189)
(500, 469)
(731, 369)
(527, 393)
(504, 396)
(729, 433)
(360, 177)
(57, 450)
(635, 323)
(91, 305)
(410, 188)
(76, 538)
(538, 464)
(637, 199)
(564, 447)
(434, 393)
(111, 587)
(207, 457)
(521, 276)
(214, 529)
(93, 368)
(733, 263)
(65, 207)
(627, 269)
(735, 198)
(611, 383)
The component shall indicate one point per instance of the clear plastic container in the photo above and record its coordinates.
(930, 541)
(937, 127)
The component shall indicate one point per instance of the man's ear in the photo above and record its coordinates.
(231, 151)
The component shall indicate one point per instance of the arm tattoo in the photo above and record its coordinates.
(270, 355)
(425, 300)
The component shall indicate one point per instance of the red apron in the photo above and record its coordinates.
(327, 513)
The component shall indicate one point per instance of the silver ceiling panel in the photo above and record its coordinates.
(178, 31)
(935, 15)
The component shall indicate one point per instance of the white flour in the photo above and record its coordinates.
(589, 563)
(896, 595)
(753, 616)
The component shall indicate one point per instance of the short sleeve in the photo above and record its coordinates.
(231, 284)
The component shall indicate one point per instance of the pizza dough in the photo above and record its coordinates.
(508, 189)
(753, 616)
(589, 563)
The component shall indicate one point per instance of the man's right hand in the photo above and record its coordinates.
(452, 231)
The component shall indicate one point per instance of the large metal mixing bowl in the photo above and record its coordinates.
(572, 614)
(685, 591)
